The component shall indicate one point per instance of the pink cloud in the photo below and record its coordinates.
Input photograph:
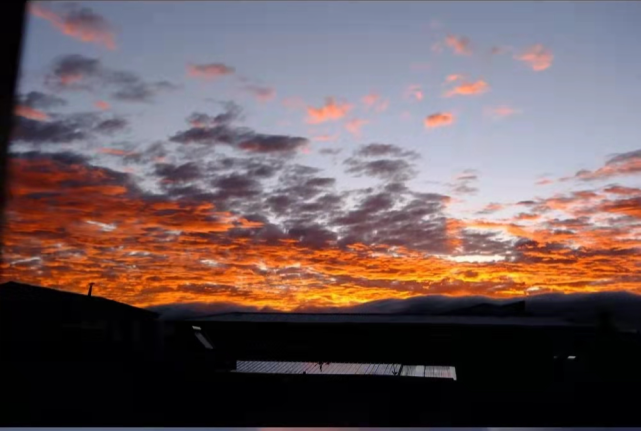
(354, 126)
(209, 71)
(262, 94)
(80, 23)
(32, 114)
(415, 92)
(102, 105)
(325, 138)
(544, 182)
(537, 57)
(376, 102)
(469, 89)
(501, 111)
(454, 77)
(439, 119)
(331, 111)
(459, 44)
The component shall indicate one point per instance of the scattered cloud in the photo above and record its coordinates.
(80, 23)
(209, 71)
(453, 78)
(102, 105)
(216, 130)
(375, 102)
(325, 138)
(31, 113)
(462, 184)
(79, 73)
(65, 128)
(537, 57)
(354, 126)
(461, 45)
(623, 164)
(469, 89)
(491, 208)
(544, 182)
(262, 94)
(501, 111)
(439, 119)
(331, 111)
(414, 92)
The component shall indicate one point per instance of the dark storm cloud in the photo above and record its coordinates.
(36, 99)
(330, 151)
(385, 216)
(65, 128)
(63, 157)
(219, 130)
(386, 169)
(389, 166)
(38, 132)
(76, 72)
(178, 174)
(387, 150)
(272, 144)
(111, 126)
(462, 184)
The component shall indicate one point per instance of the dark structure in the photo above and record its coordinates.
(37, 322)
(72, 359)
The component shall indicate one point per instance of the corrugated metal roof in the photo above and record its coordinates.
(384, 318)
(337, 368)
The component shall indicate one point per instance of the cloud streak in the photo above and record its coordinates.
(469, 89)
(80, 23)
(537, 57)
(440, 119)
(330, 111)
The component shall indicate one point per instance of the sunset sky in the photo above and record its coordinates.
(297, 155)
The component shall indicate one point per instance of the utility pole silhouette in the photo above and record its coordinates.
(90, 288)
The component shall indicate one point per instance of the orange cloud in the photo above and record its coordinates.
(116, 152)
(325, 138)
(209, 71)
(459, 44)
(331, 111)
(376, 102)
(354, 126)
(537, 57)
(502, 111)
(415, 92)
(619, 165)
(469, 89)
(544, 182)
(262, 94)
(33, 114)
(439, 120)
(79, 23)
(185, 250)
(453, 77)
(102, 105)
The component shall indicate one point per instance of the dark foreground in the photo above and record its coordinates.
(154, 394)
(74, 360)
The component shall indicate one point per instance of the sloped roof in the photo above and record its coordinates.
(13, 292)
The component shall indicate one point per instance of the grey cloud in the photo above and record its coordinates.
(389, 150)
(36, 99)
(76, 72)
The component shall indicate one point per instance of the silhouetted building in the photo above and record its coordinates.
(37, 322)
